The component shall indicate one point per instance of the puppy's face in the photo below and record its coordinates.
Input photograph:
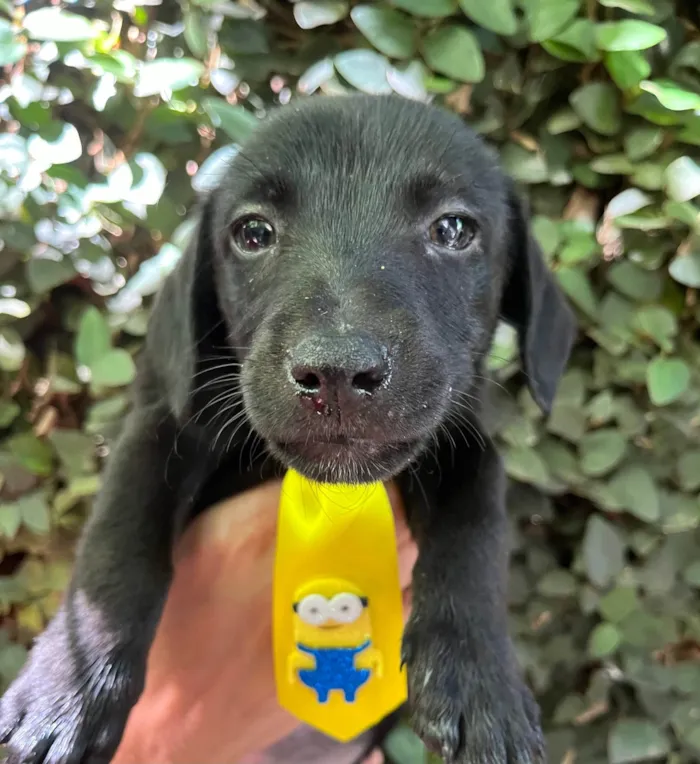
(360, 253)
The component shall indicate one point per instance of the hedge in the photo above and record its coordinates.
(113, 117)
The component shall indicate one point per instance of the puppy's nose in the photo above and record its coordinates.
(338, 368)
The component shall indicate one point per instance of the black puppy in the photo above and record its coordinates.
(337, 304)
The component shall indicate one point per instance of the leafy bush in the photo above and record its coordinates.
(115, 116)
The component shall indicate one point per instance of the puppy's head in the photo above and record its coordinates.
(362, 251)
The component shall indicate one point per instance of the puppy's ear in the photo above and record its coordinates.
(184, 316)
(534, 304)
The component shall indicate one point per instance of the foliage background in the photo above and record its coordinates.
(113, 117)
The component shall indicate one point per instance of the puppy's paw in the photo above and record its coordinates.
(469, 708)
(65, 714)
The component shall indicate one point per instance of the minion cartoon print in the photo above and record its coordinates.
(337, 606)
(333, 640)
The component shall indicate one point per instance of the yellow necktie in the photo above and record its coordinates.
(337, 606)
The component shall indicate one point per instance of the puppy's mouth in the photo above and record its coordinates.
(344, 459)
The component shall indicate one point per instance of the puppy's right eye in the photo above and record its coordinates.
(453, 232)
(253, 235)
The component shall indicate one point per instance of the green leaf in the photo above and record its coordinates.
(403, 746)
(145, 176)
(32, 453)
(9, 411)
(364, 70)
(78, 488)
(683, 179)
(12, 656)
(618, 603)
(35, 513)
(496, 15)
(670, 95)
(641, 7)
(11, 49)
(641, 142)
(58, 25)
(120, 63)
(627, 68)
(454, 51)
(523, 165)
(615, 316)
(504, 347)
(12, 350)
(634, 740)
(11, 306)
(601, 408)
(691, 574)
(649, 176)
(627, 202)
(104, 413)
(690, 133)
(685, 212)
(60, 144)
(526, 465)
(646, 220)
(667, 380)
(245, 37)
(546, 18)
(689, 470)
(658, 323)
(577, 286)
(598, 105)
(613, 164)
(548, 234)
(167, 74)
(113, 369)
(236, 121)
(211, 172)
(311, 14)
(409, 81)
(636, 491)
(569, 422)
(391, 33)
(10, 519)
(196, 32)
(604, 640)
(601, 451)
(563, 121)
(680, 514)
(75, 450)
(557, 583)
(575, 43)
(428, 8)
(603, 551)
(635, 282)
(93, 339)
(629, 34)
(685, 269)
(315, 76)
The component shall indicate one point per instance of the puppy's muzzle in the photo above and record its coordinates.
(332, 372)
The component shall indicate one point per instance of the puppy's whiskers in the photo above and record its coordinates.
(229, 365)
(239, 419)
(230, 380)
(464, 414)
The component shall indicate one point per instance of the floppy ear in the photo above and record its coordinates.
(535, 305)
(184, 317)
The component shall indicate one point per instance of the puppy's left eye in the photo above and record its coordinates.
(253, 235)
(453, 232)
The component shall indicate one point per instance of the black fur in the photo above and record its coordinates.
(351, 185)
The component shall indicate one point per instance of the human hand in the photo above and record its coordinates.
(210, 693)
